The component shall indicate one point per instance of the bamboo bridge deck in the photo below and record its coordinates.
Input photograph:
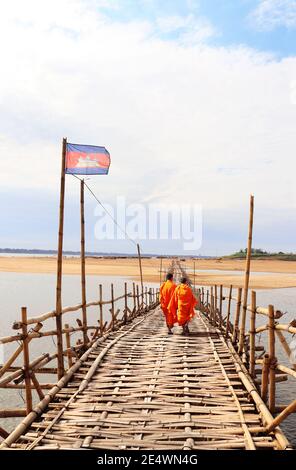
(140, 388)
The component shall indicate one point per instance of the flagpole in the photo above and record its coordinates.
(83, 283)
(60, 358)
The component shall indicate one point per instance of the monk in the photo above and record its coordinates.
(182, 305)
(166, 292)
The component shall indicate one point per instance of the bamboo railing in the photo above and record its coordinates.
(24, 376)
(261, 363)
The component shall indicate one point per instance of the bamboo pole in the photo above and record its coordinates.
(160, 271)
(60, 267)
(36, 385)
(252, 336)
(134, 298)
(112, 307)
(82, 261)
(215, 303)
(146, 299)
(13, 413)
(228, 312)
(285, 345)
(221, 306)
(271, 348)
(283, 415)
(247, 276)
(237, 315)
(125, 303)
(101, 308)
(26, 361)
(140, 266)
(4, 434)
(17, 352)
(68, 344)
(138, 299)
(212, 306)
(194, 275)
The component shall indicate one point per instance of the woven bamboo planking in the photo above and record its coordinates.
(150, 390)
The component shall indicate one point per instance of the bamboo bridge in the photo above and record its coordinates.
(130, 385)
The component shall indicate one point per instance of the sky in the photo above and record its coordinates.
(195, 101)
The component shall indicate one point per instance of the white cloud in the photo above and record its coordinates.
(171, 116)
(271, 14)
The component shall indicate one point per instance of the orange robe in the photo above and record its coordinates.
(182, 304)
(167, 290)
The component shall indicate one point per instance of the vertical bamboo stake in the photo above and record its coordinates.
(264, 380)
(134, 298)
(212, 306)
(138, 299)
(237, 315)
(60, 358)
(160, 271)
(26, 361)
(221, 306)
(101, 308)
(271, 344)
(125, 302)
(252, 334)
(83, 284)
(146, 299)
(68, 344)
(228, 312)
(112, 306)
(194, 276)
(247, 276)
(140, 266)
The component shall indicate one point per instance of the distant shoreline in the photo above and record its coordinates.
(265, 274)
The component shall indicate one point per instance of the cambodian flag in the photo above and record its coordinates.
(87, 160)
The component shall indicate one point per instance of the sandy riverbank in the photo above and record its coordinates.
(282, 273)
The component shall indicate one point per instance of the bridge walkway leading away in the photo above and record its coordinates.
(140, 388)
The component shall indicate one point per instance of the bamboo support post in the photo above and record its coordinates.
(82, 261)
(146, 299)
(212, 306)
(221, 306)
(68, 345)
(215, 304)
(138, 299)
(228, 312)
(101, 309)
(247, 276)
(134, 298)
(112, 307)
(140, 266)
(59, 267)
(125, 303)
(26, 361)
(237, 315)
(271, 350)
(252, 336)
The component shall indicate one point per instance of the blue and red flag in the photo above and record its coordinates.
(87, 160)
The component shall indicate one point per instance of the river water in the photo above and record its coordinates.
(37, 293)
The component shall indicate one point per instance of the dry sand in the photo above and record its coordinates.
(283, 273)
